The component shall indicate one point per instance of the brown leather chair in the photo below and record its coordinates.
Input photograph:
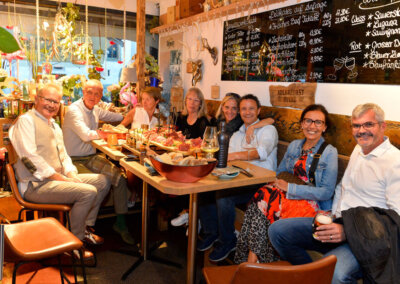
(39, 239)
(318, 272)
(62, 209)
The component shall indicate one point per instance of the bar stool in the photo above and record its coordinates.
(317, 272)
(35, 240)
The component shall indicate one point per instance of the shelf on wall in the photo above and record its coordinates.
(249, 6)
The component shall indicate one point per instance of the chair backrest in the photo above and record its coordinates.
(33, 206)
(318, 272)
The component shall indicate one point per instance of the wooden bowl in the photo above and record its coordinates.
(104, 134)
(183, 173)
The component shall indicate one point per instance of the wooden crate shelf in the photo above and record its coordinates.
(221, 12)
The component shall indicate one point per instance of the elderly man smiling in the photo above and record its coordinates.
(50, 176)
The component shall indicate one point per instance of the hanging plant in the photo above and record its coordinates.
(73, 45)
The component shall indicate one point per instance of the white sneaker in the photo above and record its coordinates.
(182, 219)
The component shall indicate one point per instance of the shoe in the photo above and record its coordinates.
(92, 239)
(125, 235)
(131, 204)
(182, 219)
(87, 254)
(206, 243)
(221, 251)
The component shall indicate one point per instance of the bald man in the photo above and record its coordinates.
(80, 128)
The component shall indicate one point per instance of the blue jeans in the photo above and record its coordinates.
(217, 213)
(292, 237)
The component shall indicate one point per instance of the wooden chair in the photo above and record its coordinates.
(35, 240)
(318, 272)
(62, 209)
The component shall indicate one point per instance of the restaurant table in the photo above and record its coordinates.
(209, 183)
(102, 146)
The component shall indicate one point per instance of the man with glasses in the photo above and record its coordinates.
(45, 172)
(371, 179)
(80, 128)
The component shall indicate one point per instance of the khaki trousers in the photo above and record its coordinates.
(101, 165)
(85, 197)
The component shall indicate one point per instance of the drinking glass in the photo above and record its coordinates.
(112, 140)
(210, 142)
(322, 218)
(248, 146)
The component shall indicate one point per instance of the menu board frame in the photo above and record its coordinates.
(332, 41)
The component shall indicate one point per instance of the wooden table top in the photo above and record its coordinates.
(102, 145)
(209, 183)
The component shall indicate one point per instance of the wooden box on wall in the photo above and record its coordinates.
(189, 8)
(177, 98)
(170, 15)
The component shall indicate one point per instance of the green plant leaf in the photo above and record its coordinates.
(8, 44)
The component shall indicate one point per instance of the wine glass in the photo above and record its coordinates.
(251, 145)
(210, 142)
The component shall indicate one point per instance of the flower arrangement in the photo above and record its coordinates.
(113, 92)
(127, 95)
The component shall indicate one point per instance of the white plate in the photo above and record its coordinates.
(229, 176)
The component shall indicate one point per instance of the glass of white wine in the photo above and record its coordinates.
(210, 142)
(249, 145)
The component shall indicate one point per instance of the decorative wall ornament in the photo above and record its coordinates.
(197, 73)
(213, 51)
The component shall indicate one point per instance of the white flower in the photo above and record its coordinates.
(3, 73)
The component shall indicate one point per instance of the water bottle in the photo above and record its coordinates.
(223, 140)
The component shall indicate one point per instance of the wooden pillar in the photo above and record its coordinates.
(141, 43)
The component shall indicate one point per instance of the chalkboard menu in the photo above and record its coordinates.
(337, 41)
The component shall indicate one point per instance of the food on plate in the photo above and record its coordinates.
(176, 158)
(172, 140)
(114, 129)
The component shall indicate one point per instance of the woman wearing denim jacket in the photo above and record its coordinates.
(281, 199)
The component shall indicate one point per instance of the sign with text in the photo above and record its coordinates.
(336, 41)
(296, 95)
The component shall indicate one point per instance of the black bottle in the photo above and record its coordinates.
(223, 140)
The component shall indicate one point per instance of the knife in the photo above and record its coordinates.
(243, 171)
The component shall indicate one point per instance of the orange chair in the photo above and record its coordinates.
(63, 209)
(318, 272)
(40, 239)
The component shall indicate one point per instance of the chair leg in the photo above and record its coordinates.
(74, 267)
(16, 266)
(60, 268)
(83, 266)
(68, 221)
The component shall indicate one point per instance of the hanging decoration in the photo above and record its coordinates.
(9, 26)
(77, 47)
(105, 36)
(87, 35)
(37, 31)
(124, 33)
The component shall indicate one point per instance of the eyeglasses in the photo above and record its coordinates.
(49, 101)
(193, 100)
(366, 125)
(309, 121)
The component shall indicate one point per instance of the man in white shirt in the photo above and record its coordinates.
(371, 179)
(45, 172)
(217, 218)
(80, 128)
